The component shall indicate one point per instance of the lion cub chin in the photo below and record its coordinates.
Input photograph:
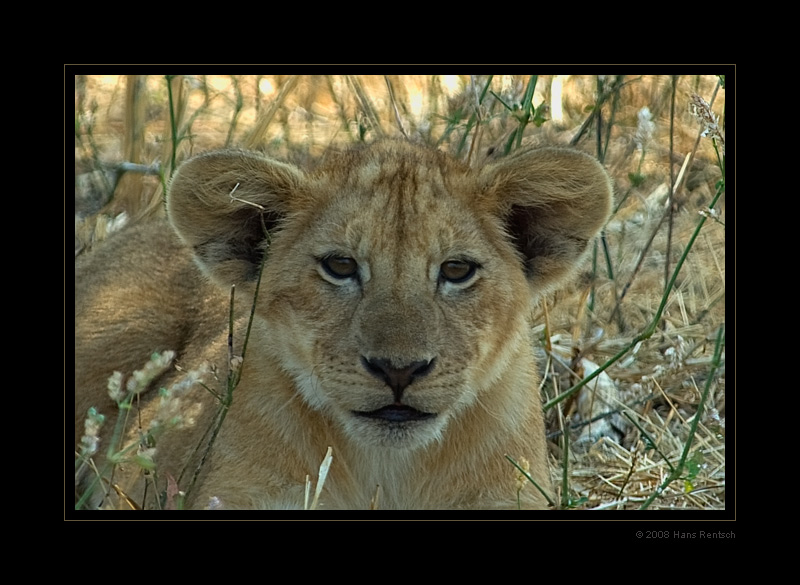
(391, 290)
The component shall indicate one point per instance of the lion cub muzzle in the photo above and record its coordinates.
(398, 379)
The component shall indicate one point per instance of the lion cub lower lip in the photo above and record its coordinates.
(397, 413)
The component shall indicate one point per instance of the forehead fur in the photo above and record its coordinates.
(392, 193)
(399, 174)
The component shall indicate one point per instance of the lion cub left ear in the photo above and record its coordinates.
(222, 204)
(553, 202)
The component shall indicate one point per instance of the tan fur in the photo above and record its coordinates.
(324, 347)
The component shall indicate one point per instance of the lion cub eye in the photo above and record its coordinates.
(339, 267)
(457, 270)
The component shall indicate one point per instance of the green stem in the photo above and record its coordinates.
(651, 328)
(172, 121)
(678, 469)
(649, 439)
(473, 119)
(233, 376)
(565, 474)
(533, 481)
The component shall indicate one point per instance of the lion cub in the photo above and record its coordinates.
(392, 290)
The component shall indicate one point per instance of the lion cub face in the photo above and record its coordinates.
(410, 300)
(397, 283)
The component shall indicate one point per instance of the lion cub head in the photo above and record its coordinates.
(397, 283)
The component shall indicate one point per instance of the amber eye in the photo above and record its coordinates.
(340, 267)
(457, 270)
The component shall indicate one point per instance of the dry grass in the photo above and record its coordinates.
(126, 119)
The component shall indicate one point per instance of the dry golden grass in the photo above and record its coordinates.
(126, 119)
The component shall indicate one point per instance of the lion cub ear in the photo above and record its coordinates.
(553, 202)
(220, 205)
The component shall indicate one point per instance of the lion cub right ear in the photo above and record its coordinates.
(554, 201)
(222, 204)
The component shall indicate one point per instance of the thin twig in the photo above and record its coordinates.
(648, 332)
(687, 162)
(394, 107)
(678, 469)
(671, 200)
(259, 131)
(365, 105)
(533, 481)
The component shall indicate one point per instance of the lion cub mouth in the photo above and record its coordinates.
(396, 413)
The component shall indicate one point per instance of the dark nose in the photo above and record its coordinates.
(398, 379)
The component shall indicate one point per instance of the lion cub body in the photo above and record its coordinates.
(391, 322)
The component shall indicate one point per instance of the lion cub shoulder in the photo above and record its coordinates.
(391, 289)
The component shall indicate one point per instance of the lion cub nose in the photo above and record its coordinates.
(398, 379)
